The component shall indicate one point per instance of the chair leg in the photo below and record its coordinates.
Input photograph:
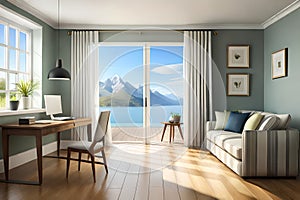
(104, 161)
(79, 160)
(93, 167)
(68, 162)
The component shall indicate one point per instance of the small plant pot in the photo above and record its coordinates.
(26, 102)
(14, 105)
(176, 119)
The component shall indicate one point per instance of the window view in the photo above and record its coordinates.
(122, 84)
(14, 60)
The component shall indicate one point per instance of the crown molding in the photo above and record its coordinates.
(281, 14)
(26, 7)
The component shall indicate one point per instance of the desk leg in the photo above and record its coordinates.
(5, 148)
(58, 144)
(180, 131)
(39, 157)
(162, 137)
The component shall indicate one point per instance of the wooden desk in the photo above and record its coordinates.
(172, 130)
(37, 130)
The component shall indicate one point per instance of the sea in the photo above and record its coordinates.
(133, 116)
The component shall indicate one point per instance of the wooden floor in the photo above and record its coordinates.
(137, 171)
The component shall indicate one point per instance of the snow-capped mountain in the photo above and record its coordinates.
(115, 91)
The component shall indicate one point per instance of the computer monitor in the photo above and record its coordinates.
(53, 105)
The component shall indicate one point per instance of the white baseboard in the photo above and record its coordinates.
(29, 155)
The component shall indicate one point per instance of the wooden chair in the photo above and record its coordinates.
(92, 148)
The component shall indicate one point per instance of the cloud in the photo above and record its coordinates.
(168, 69)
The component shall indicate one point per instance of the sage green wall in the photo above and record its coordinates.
(254, 38)
(282, 95)
(49, 48)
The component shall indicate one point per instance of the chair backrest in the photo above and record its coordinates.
(101, 126)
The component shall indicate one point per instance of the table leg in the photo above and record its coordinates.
(58, 144)
(180, 131)
(5, 149)
(171, 130)
(162, 137)
(39, 157)
(173, 127)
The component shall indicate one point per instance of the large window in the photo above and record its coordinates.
(15, 59)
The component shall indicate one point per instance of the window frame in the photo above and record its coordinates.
(17, 48)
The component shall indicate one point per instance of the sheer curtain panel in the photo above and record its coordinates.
(197, 107)
(84, 79)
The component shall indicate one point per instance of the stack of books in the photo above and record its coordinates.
(27, 120)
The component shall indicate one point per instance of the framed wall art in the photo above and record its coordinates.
(279, 63)
(238, 85)
(238, 56)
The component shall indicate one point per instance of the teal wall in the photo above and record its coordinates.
(49, 48)
(282, 95)
(254, 38)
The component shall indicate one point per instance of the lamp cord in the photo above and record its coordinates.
(58, 39)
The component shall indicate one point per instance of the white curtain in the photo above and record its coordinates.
(197, 107)
(84, 79)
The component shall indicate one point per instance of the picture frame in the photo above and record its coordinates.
(279, 63)
(238, 56)
(238, 84)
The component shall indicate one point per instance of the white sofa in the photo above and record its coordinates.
(270, 153)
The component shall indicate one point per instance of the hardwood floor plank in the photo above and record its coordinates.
(156, 193)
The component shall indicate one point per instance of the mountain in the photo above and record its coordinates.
(116, 92)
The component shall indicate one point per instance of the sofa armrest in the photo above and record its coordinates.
(270, 153)
(210, 125)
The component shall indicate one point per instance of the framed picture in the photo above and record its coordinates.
(238, 56)
(238, 84)
(279, 64)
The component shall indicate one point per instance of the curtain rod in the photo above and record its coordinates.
(215, 33)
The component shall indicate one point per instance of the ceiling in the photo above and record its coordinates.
(177, 13)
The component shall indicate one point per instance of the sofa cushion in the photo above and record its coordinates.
(219, 137)
(269, 123)
(253, 121)
(234, 147)
(220, 117)
(284, 120)
(236, 122)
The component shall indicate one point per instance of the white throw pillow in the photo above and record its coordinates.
(269, 123)
(220, 116)
(284, 120)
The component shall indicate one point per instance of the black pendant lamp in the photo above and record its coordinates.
(58, 73)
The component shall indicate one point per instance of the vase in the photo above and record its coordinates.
(26, 102)
(171, 119)
(176, 119)
(14, 105)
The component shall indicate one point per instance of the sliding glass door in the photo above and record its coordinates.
(141, 84)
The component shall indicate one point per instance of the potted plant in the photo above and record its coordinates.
(26, 89)
(174, 118)
(14, 101)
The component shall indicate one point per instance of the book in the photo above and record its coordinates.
(27, 120)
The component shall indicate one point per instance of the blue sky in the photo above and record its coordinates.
(127, 62)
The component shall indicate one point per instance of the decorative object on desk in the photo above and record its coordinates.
(238, 56)
(175, 117)
(279, 63)
(27, 120)
(238, 84)
(14, 101)
(58, 73)
(26, 89)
